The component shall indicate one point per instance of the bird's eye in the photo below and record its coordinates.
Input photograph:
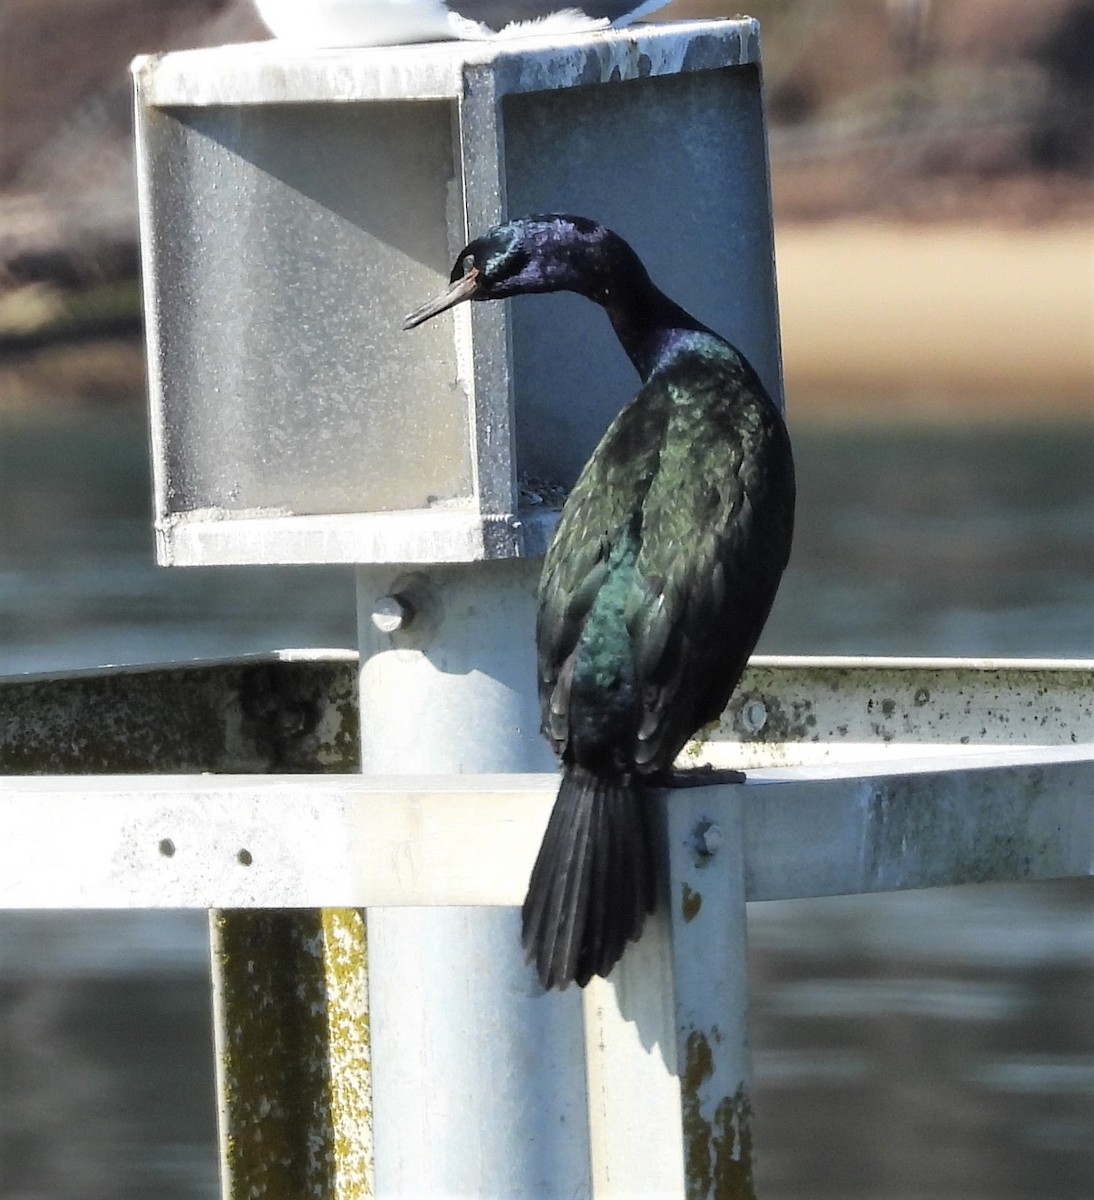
(468, 264)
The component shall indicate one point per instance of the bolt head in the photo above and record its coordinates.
(707, 839)
(754, 715)
(392, 613)
(712, 840)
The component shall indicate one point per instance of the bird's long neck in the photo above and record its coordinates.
(648, 324)
(645, 320)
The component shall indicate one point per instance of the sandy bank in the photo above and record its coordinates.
(935, 322)
(997, 317)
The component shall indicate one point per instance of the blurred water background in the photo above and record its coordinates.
(931, 1044)
(932, 168)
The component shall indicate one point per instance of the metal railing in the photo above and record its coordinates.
(232, 787)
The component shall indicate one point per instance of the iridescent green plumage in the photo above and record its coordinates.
(683, 517)
(655, 587)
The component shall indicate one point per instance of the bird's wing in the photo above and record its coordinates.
(690, 497)
(599, 514)
(716, 528)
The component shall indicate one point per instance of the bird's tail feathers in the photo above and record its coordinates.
(594, 879)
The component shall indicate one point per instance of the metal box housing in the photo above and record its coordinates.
(295, 205)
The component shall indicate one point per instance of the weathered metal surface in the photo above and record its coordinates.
(914, 823)
(298, 710)
(892, 775)
(292, 1018)
(292, 1054)
(293, 711)
(706, 906)
(818, 710)
(435, 536)
(215, 841)
(667, 1039)
(275, 73)
(478, 1077)
(294, 205)
(636, 1133)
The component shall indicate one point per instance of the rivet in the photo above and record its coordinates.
(392, 613)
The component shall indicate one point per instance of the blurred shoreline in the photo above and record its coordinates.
(949, 322)
(932, 171)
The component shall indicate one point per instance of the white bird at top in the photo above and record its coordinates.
(344, 23)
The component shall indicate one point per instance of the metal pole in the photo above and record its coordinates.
(667, 1044)
(478, 1077)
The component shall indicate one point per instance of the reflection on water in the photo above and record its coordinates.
(106, 1086)
(935, 1044)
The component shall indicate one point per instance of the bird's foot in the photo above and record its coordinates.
(697, 777)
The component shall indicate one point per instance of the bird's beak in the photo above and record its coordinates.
(463, 289)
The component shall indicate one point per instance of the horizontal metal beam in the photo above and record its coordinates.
(806, 709)
(922, 822)
(286, 711)
(423, 536)
(307, 841)
(276, 73)
(297, 710)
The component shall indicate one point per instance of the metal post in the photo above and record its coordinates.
(910, 800)
(292, 1053)
(478, 1076)
(707, 914)
(668, 1049)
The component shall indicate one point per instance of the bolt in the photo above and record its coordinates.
(754, 715)
(707, 839)
(391, 613)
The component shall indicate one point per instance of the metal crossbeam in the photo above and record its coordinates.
(863, 775)
(306, 841)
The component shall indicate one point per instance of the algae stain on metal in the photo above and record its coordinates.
(791, 721)
(718, 1151)
(916, 833)
(293, 1043)
(345, 966)
(690, 902)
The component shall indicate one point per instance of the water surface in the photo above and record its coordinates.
(934, 1044)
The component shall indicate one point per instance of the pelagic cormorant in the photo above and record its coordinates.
(656, 583)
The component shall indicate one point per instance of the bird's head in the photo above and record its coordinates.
(534, 254)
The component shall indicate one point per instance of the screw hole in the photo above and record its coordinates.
(244, 857)
(167, 847)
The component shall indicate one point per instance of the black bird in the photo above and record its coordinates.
(655, 586)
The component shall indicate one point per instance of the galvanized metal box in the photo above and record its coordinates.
(295, 206)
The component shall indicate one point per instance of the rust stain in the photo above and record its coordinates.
(690, 903)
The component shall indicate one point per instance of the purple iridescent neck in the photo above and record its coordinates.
(573, 254)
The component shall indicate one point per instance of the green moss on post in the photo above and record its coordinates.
(292, 1054)
(717, 1151)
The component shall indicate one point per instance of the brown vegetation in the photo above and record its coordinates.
(968, 111)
